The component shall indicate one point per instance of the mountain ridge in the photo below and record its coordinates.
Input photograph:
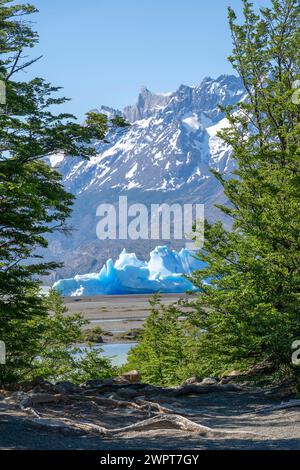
(165, 155)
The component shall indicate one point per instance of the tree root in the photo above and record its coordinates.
(193, 389)
(42, 398)
(164, 422)
(163, 419)
(153, 406)
(281, 406)
(29, 401)
(152, 425)
(177, 422)
(31, 411)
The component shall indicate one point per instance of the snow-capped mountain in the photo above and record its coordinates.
(165, 155)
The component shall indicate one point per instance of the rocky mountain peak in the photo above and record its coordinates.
(165, 155)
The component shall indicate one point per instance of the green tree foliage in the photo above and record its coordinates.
(251, 310)
(167, 350)
(61, 357)
(33, 202)
(49, 346)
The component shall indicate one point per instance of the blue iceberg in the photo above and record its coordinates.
(163, 273)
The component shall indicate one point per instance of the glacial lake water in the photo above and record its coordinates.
(117, 352)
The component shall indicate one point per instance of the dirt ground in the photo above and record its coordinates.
(239, 419)
(129, 416)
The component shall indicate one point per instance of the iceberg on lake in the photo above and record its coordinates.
(163, 273)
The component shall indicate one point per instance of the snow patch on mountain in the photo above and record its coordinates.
(165, 155)
(192, 122)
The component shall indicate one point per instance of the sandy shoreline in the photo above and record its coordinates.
(116, 313)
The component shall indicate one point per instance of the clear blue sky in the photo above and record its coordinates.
(104, 51)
